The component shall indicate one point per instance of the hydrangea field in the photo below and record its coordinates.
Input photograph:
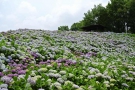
(66, 60)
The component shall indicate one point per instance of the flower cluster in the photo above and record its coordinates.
(66, 60)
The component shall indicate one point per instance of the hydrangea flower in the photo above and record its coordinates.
(60, 80)
(91, 76)
(99, 75)
(3, 86)
(4, 89)
(49, 81)
(2, 66)
(70, 75)
(32, 80)
(41, 89)
(62, 72)
(106, 82)
(129, 79)
(21, 76)
(49, 66)
(6, 79)
(21, 72)
(124, 84)
(80, 88)
(1, 74)
(57, 84)
(75, 86)
(33, 73)
(52, 71)
(68, 82)
(112, 80)
(57, 75)
(10, 75)
(42, 70)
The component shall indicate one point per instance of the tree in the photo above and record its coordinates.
(88, 18)
(63, 28)
(131, 17)
(117, 14)
(76, 26)
(96, 16)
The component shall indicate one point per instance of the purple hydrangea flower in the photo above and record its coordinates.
(10, 75)
(9, 57)
(1, 74)
(48, 61)
(31, 80)
(14, 71)
(65, 64)
(42, 62)
(21, 72)
(16, 75)
(19, 65)
(14, 64)
(6, 79)
(18, 69)
(34, 55)
(59, 64)
(24, 67)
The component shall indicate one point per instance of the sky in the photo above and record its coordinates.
(43, 14)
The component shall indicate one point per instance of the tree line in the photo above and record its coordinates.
(118, 16)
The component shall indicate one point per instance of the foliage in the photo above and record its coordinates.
(117, 16)
(76, 26)
(63, 28)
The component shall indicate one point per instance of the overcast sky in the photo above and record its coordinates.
(43, 14)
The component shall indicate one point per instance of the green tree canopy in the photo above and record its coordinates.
(117, 16)
(63, 28)
(76, 26)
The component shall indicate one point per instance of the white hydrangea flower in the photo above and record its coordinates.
(124, 75)
(62, 72)
(99, 75)
(57, 84)
(49, 81)
(129, 78)
(104, 58)
(68, 82)
(70, 75)
(80, 88)
(64, 77)
(107, 77)
(106, 82)
(57, 75)
(33, 73)
(41, 89)
(52, 71)
(75, 86)
(49, 66)
(2, 66)
(4, 89)
(124, 84)
(84, 73)
(112, 80)
(91, 76)
(21, 76)
(42, 70)
(3, 85)
(32, 80)
(60, 80)
(51, 74)
(90, 88)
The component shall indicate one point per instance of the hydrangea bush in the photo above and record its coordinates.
(66, 60)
